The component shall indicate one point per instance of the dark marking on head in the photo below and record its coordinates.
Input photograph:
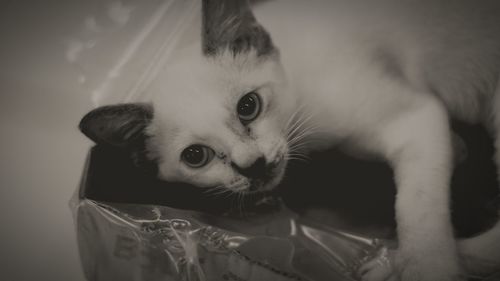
(231, 25)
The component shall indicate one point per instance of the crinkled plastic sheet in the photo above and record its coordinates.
(141, 242)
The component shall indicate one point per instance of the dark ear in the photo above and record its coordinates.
(231, 25)
(120, 125)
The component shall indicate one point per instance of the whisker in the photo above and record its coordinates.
(293, 115)
(298, 159)
(302, 135)
(302, 138)
(225, 192)
(234, 201)
(211, 190)
(298, 110)
(299, 146)
(241, 203)
(293, 154)
(298, 156)
(298, 125)
(297, 117)
(218, 191)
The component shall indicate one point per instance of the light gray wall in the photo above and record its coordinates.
(41, 151)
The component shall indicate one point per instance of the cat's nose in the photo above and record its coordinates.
(257, 169)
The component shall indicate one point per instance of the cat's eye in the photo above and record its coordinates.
(197, 156)
(249, 107)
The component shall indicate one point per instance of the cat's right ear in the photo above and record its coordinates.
(121, 125)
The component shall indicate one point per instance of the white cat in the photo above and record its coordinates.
(258, 88)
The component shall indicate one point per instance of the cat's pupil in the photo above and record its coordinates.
(197, 155)
(248, 107)
(194, 155)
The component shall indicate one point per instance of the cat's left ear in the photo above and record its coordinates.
(121, 125)
(231, 25)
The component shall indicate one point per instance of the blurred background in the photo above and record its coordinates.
(41, 151)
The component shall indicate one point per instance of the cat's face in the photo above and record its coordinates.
(221, 121)
(219, 116)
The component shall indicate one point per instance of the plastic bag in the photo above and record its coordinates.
(127, 242)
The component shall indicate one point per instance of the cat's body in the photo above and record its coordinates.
(382, 77)
(353, 53)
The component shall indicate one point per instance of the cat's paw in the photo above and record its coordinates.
(394, 265)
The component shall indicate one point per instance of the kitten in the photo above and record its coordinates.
(262, 86)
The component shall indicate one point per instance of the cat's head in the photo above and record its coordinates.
(219, 115)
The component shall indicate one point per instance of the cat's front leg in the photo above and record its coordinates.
(417, 143)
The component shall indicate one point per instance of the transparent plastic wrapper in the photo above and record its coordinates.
(139, 242)
(116, 54)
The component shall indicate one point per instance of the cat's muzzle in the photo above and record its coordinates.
(265, 175)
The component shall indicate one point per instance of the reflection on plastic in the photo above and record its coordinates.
(150, 243)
